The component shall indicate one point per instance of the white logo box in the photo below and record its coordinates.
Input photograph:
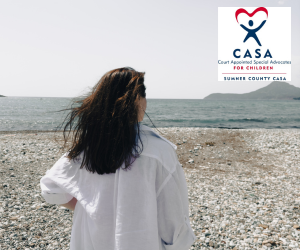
(274, 37)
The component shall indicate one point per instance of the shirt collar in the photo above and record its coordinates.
(144, 127)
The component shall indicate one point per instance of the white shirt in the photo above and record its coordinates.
(145, 207)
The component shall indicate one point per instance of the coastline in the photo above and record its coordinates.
(163, 128)
(243, 187)
(26, 131)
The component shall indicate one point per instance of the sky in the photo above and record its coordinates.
(62, 48)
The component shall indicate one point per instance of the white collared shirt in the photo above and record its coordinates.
(144, 208)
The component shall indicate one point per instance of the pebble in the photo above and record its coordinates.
(26, 221)
(243, 189)
(246, 191)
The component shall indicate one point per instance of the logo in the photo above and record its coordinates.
(251, 32)
(254, 44)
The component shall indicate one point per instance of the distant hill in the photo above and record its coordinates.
(274, 91)
(2, 96)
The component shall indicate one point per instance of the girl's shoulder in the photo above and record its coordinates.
(158, 147)
(146, 128)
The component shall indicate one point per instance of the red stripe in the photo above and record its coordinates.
(254, 73)
(239, 11)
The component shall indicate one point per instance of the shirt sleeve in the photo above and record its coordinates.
(173, 212)
(52, 192)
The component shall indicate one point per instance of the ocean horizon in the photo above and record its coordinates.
(40, 113)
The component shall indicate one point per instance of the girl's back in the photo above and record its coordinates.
(141, 206)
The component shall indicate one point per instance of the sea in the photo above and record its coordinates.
(42, 113)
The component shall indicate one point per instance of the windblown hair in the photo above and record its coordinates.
(105, 123)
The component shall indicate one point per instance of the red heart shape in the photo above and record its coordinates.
(239, 11)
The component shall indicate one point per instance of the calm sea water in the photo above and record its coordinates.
(35, 113)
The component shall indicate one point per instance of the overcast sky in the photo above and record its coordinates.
(61, 48)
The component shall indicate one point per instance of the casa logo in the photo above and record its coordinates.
(251, 32)
(254, 44)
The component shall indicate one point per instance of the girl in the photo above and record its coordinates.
(123, 180)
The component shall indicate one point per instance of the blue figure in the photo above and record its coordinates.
(251, 33)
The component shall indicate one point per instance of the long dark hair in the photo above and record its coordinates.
(105, 122)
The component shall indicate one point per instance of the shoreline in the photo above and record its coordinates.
(26, 131)
(221, 128)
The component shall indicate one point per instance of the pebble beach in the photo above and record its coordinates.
(244, 188)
